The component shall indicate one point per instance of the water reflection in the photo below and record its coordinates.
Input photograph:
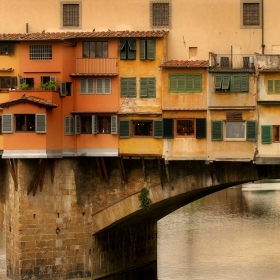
(232, 234)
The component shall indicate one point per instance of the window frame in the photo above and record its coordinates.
(177, 135)
(242, 11)
(86, 89)
(106, 85)
(161, 24)
(79, 25)
(227, 83)
(10, 49)
(127, 49)
(135, 122)
(40, 52)
(148, 49)
(147, 87)
(104, 54)
(273, 86)
(12, 83)
(243, 122)
(275, 128)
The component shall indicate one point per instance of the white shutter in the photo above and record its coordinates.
(94, 125)
(77, 125)
(99, 87)
(83, 85)
(107, 85)
(63, 89)
(40, 123)
(114, 124)
(68, 125)
(7, 123)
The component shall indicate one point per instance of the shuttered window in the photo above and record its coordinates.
(103, 86)
(124, 129)
(158, 128)
(200, 128)
(185, 83)
(266, 134)
(147, 49)
(232, 83)
(70, 15)
(40, 123)
(127, 49)
(273, 86)
(78, 128)
(251, 130)
(217, 130)
(160, 14)
(86, 86)
(114, 124)
(128, 87)
(148, 87)
(69, 125)
(7, 123)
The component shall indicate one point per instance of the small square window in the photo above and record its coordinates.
(250, 14)
(185, 128)
(235, 130)
(143, 128)
(70, 14)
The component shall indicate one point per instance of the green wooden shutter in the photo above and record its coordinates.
(266, 134)
(251, 130)
(244, 83)
(131, 49)
(270, 86)
(172, 83)
(114, 124)
(226, 82)
(189, 83)
(151, 49)
(152, 87)
(40, 121)
(124, 129)
(142, 49)
(217, 130)
(143, 87)
(181, 83)
(218, 82)
(131, 87)
(7, 123)
(122, 48)
(277, 86)
(78, 125)
(168, 128)
(158, 129)
(124, 87)
(236, 83)
(200, 128)
(197, 83)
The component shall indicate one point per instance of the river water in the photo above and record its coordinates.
(232, 234)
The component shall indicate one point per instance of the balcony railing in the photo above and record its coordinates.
(232, 61)
(97, 66)
(268, 61)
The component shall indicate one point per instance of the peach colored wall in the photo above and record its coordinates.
(99, 141)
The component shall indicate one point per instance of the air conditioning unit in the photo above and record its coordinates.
(224, 61)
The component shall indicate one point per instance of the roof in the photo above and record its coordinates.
(31, 100)
(80, 35)
(185, 63)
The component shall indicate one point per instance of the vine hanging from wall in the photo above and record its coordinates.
(144, 199)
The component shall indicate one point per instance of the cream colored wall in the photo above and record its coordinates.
(208, 25)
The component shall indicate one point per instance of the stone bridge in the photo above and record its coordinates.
(81, 217)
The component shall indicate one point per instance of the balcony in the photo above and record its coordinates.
(96, 66)
(267, 62)
(231, 61)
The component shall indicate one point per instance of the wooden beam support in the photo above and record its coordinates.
(104, 169)
(53, 171)
(160, 172)
(121, 165)
(167, 170)
(99, 168)
(11, 167)
(144, 170)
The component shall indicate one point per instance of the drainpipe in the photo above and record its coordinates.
(263, 45)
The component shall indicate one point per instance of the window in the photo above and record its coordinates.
(142, 128)
(95, 49)
(128, 87)
(185, 83)
(68, 125)
(276, 133)
(266, 134)
(7, 49)
(232, 83)
(273, 86)
(48, 82)
(40, 52)
(95, 124)
(147, 49)
(160, 14)
(0, 125)
(65, 89)
(8, 82)
(185, 128)
(103, 86)
(26, 83)
(251, 14)
(148, 87)
(234, 130)
(71, 15)
(25, 123)
(86, 86)
(127, 49)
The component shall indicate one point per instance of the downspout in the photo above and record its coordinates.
(263, 45)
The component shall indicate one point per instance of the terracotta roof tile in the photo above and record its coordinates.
(185, 63)
(30, 99)
(76, 35)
